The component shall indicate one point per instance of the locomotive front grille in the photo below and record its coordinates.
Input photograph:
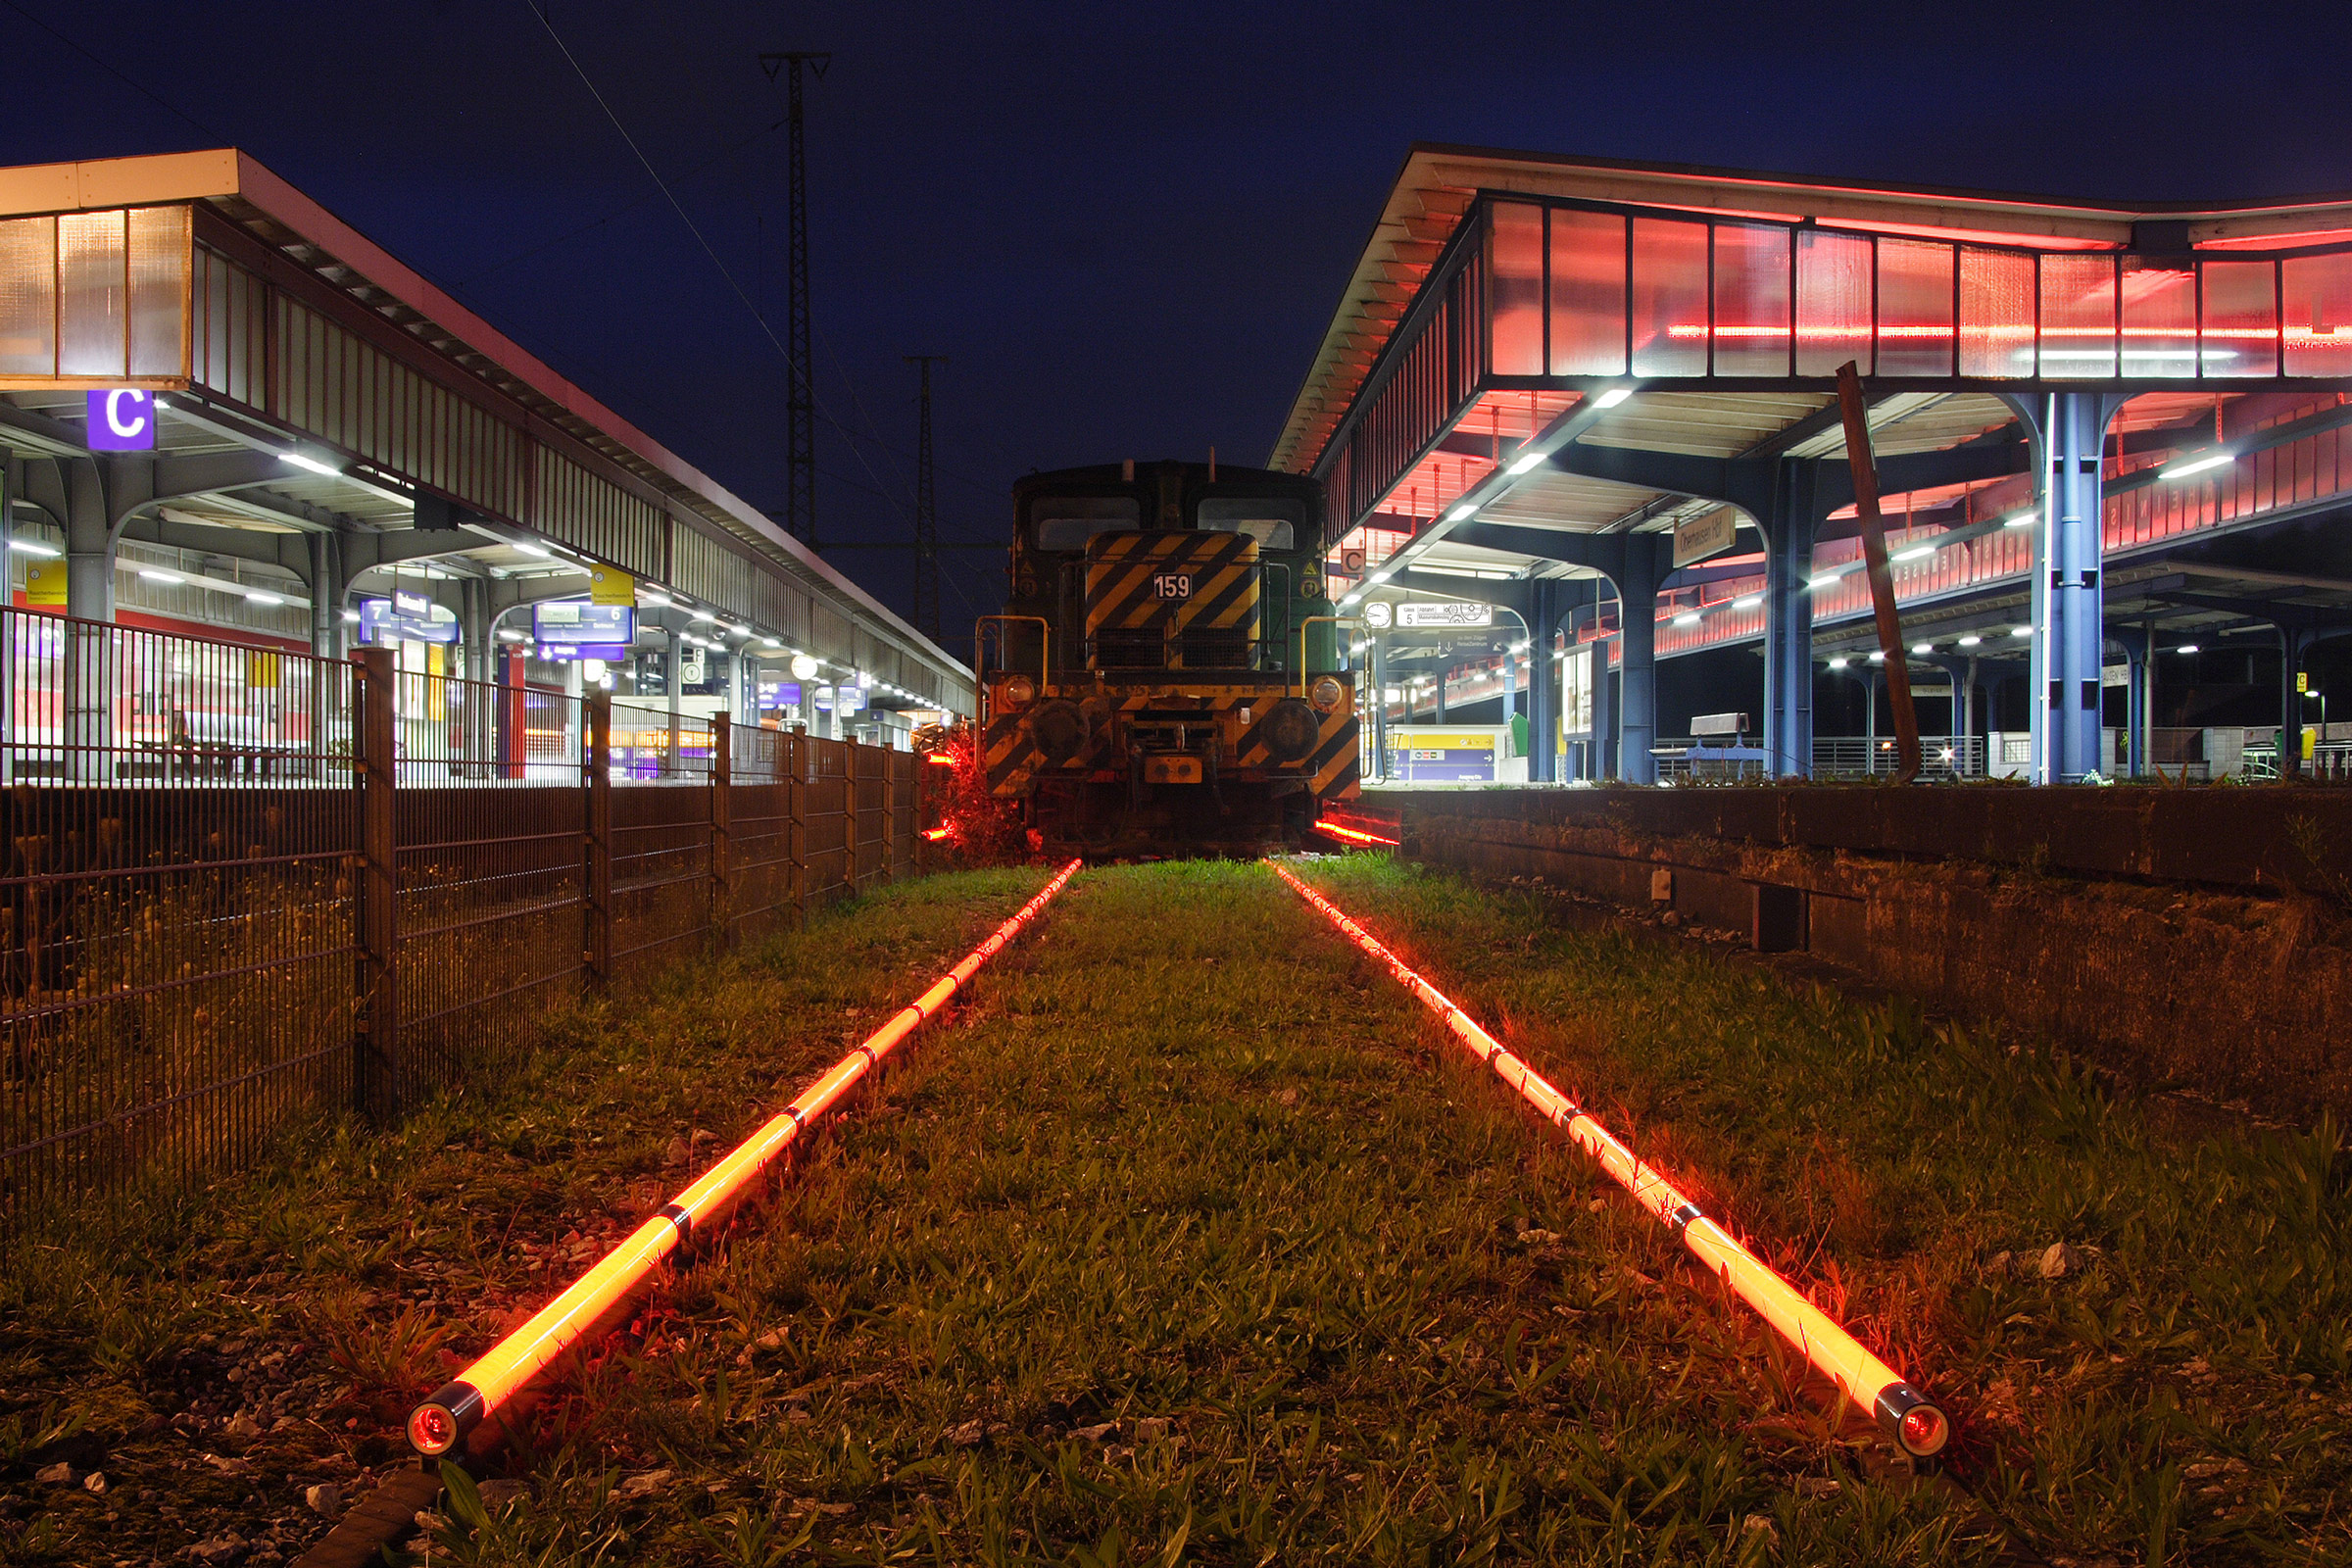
(1131, 648)
(1216, 648)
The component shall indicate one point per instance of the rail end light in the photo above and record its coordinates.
(1016, 691)
(1326, 694)
(1919, 1428)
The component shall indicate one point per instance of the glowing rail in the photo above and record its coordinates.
(1915, 1423)
(490, 1384)
(1353, 835)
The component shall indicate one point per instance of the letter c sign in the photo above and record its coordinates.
(122, 421)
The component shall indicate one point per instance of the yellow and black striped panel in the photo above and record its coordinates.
(1335, 765)
(1126, 576)
(1008, 754)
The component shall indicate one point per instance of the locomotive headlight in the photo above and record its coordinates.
(1016, 691)
(1326, 694)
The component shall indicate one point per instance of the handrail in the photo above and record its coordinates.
(1312, 620)
(1045, 646)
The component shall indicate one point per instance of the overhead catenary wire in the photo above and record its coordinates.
(1916, 1424)
(459, 1408)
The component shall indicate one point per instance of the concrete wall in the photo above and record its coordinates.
(2195, 938)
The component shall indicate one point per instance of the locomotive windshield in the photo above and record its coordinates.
(1270, 523)
(1067, 523)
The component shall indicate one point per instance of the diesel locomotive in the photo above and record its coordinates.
(1167, 676)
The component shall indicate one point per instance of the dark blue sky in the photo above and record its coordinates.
(1125, 225)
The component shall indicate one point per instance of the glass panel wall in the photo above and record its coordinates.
(1587, 293)
(95, 296)
(1751, 299)
(2316, 313)
(1996, 313)
(28, 296)
(1915, 307)
(1670, 297)
(1515, 259)
(2077, 315)
(2241, 315)
(1833, 301)
(2160, 317)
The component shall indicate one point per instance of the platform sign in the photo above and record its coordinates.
(1701, 537)
(609, 652)
(1422, 755)
(121, 420)
(1446, 615)
(570, 621)
(45, 584)
(779, 694)
(406, 617)
(609, 585)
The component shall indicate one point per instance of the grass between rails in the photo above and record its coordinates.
(1190, 1239)
(213, 1355)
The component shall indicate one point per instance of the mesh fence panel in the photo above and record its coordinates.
(189, 960)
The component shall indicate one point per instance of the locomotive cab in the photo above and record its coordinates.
(1167, 675)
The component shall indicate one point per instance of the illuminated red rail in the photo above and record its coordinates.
(490, 1384)
(1914, 1421)
(1353, 835)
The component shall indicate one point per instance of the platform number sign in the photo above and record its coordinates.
(1172, 585)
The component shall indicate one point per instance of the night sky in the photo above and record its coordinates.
(1126, 226)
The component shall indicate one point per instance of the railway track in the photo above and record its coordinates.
(486, 1404)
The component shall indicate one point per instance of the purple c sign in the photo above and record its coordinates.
(122, 421)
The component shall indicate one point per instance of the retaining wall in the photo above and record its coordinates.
(2197, 938)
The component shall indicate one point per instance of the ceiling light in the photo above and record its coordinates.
(1916, 553)
(1825, 580)
(659, 600)
(769, 642)
(351, 618)
(510, 636)
(32, 547)
(538, 552)
(1526, 465)
(303, 459)
(1838, 662)
(2181, 470)
(152, 575)
(1612, 397)
(255, 595)
(2185, 647)
(2023, 631)
(1747, 601)
(1688, 618)
(1878, 659)
(1461, 513)
(1970, 640)
(2021, 520)
(700, 616)
(1922, 648)
(741, 631)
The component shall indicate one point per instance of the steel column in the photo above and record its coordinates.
(2069, 642)
(1542, 683)
(1638, 675)
(1789, 622)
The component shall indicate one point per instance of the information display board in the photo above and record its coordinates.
(406, 617)
(1429, 756)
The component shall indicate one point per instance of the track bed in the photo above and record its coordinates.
(1189, 1232)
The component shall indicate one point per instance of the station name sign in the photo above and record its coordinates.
(1445, 616)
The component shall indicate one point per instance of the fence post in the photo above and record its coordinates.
(722, 779)
(796, 830)
(849, 769)
(595, 905)
(377, 1078)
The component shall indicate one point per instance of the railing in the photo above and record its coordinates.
(241, 886)
(1868, 756)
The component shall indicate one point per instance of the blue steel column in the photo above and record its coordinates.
(1600, 751)
(2069, 642)
(1638, 678)
(1542, 683)
(1789, 622)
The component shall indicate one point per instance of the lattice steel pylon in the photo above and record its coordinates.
(926, 509)
(800, 492)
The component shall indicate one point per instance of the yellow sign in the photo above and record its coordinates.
(45, 584)
(2303, 680)
(609, 585)
(261, 671)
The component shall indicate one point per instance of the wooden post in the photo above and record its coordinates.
(1882, 578)
(722, 779)
(377, 1078)
(596, 904)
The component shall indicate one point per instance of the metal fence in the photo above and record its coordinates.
(241, 886)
